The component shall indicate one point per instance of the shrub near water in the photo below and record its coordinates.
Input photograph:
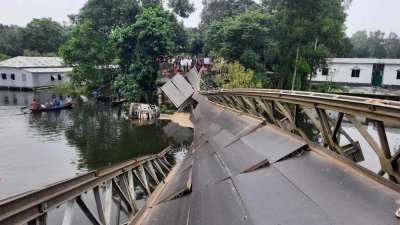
(234, 75)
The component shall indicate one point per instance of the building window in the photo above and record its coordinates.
(355, 72)
(4, 76)
(12, 76)
(51, 78)
(23, 77)
(398, 75)
(59, 77)
(325, 71)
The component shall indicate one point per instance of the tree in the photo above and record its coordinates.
(245, 37)
(376, 44)
(195, 42)
(316, 27)
(90, 48)
(392, 46)
(234, 75)
(151, 36)
(182, 8)
(11, 40)
(216, 10)
(43, 35)
(3, 57)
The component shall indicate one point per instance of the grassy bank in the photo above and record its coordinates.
(70, 89)
(328, 88)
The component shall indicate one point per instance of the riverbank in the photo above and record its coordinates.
(180, 118)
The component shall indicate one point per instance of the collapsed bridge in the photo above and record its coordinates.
(251, 162)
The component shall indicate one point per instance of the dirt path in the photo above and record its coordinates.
(180, 118)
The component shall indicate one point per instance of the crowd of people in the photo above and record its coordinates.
(185, 64)
(54, 103)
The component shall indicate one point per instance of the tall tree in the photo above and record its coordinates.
(376, 44)
(316, 27)
(182, 8)
(151, 36)
(245, 37)
(359, 40)
(90, 48)
(11, 40)
(216, 10)
(43, 35)
(392, 46)
(195, 42)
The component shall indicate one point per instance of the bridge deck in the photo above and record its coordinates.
(242, 172)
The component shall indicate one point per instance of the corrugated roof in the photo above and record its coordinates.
(49, 70)
(364, 60)
(32, 62)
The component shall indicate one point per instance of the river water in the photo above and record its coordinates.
(39, 149)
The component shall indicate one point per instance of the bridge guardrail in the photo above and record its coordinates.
(32, 207)
(282, 108)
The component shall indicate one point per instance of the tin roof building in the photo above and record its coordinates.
(33, 72)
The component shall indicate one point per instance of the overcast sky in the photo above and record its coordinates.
(363, 14)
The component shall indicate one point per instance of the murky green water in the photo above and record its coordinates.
(39, 149)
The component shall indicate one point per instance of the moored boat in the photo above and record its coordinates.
(38, 110)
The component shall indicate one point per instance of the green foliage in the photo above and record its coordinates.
(11, 40)
(43, 35)
(375, 45)
(195, 42)
(182, 8)
(316, 27)
(3, 57)
(216, 10)
(245, 37)
(69, 88)
(392, 46)
(328, 88)
(35, 53)
(151, 36)
(234, 75)
(90, 48)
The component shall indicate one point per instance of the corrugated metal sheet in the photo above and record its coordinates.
(217, 204)
(347, 197)
(183, 86)
(208, 171)
(272, 145)
(32, 62)
(204, 152)
(174, 212)
(194, 78)
(179, 184)
(173, 94)
(271, 199)
(239, 158)
(223, 138)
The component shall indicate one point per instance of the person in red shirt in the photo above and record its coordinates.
(34, 104)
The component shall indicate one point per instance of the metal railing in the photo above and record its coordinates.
(33, 207)
(326, 113)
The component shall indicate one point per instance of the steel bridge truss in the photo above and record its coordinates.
(119, 182)
(284, 108)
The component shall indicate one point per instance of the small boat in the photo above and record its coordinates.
(38, 110)
(118, 102)
(104, 98)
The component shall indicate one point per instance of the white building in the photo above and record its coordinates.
(33, 72)
(361, 72)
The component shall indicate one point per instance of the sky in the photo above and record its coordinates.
(363, 14)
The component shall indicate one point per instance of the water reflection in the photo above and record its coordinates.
(38, 149)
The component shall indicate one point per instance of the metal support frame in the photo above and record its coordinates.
(281, 108)
(32, 208)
